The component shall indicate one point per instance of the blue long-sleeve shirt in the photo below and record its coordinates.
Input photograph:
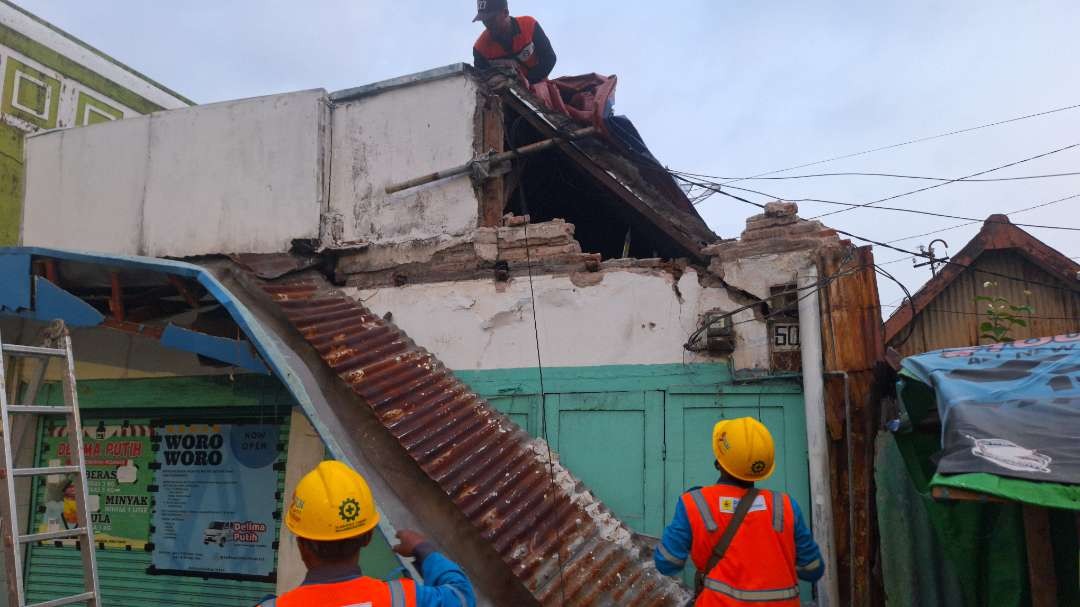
(445, 584)
(674, 548)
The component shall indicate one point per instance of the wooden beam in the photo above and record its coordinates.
(1040, 557)
(963, 495)
(491, 139)
(116, 298)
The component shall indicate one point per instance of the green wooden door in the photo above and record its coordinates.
(613, 441)
(690, 416)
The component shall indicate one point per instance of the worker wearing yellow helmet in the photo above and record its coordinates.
(749, 545)
(333, 517)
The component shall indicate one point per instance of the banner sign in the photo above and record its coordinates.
(216, 503)
(118, 462)
(1007, 409)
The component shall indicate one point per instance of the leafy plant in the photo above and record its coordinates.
(1002, 316)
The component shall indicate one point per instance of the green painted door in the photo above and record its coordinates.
(690, 417)
(613, 441)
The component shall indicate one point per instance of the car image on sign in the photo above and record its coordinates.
(216, 533)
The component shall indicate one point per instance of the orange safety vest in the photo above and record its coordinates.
(758, 569)
(524, 50)
(351, 593)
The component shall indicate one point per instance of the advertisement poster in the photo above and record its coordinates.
(118, 459)
(216, 500)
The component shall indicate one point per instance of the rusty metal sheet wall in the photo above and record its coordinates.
(563, 544)
(953, 319)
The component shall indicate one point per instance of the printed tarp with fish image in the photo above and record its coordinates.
(1010, 415)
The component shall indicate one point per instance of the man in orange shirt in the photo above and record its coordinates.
(518, 42)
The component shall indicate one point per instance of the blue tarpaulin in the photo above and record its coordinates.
(1011, 410)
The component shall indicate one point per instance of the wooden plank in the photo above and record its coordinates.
(492, 138)
(852, 345)
(963, 495)
(1040, 557)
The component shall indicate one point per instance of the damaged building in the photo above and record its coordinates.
(514, 324)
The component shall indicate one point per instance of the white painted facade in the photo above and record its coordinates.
(391, 136)
(242, 176)
(630, 317)
(252, 176)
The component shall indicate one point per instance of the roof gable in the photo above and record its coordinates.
(997, 234)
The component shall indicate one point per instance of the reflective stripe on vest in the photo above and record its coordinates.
(460, 597)
(704, 510)
(778, 511)
(670, 557)
(752, 596)
(356, 592)
(397, 594)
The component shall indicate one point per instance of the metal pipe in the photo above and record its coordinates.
(461, 169)
(817, 433)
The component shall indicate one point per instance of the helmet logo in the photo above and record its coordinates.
(757, 467)
(724, 441)
(349, 510)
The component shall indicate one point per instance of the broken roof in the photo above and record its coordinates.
(997, 234)
(634, 179)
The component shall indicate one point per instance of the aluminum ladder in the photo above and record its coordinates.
(57, 345)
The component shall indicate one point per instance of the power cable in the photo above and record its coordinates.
(945, 183)
(964, 225)
(914, 141)
(924, 255)
(960, 312)
(860, 174)
(919, 212)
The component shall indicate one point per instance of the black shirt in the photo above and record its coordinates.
(544, 52)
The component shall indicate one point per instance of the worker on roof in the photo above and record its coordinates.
(518, 42)
(750, 546)
(333, 516)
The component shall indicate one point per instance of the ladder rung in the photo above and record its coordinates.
(45, 471)
(63, 534)
(33, 351)
(78, 598)
(45, 409)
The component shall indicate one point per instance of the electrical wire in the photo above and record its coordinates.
(918, 140)
(960, 312)
(861, 174)
(945, 183)
(543, 392)
(925, 255)
(917, 211)
(964, 225)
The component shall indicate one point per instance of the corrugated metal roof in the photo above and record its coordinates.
(564, 545)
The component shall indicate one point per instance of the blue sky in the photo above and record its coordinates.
(726, 88)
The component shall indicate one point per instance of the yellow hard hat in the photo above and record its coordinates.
(332, 502)
(744, 448)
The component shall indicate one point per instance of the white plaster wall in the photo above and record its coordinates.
(628, 318)
(84, 187)
(758, 274)
(395, 136)
(237, 177)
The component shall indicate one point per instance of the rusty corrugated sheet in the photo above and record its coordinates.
(560, 541)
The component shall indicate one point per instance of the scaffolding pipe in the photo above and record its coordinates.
(461, 169)
(816, 432)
